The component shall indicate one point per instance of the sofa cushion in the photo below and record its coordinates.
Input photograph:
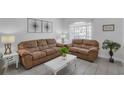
(79, 50)
(45, 47)
(51, 41)
(28, 44)
(50, 51)
(93, 49)
(86, 46)
(32, 49)
(73, 49)
(42, 44)
(77, 45)
(59, 45)
(57, 48)
(77, 41)
(90, 42)
(38, 55)
(51, 45)
(83, 51)
(41, 48)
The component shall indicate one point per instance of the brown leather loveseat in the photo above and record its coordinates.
(84, 49)
(35, 52)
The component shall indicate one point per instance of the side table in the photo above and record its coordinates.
(12, 58)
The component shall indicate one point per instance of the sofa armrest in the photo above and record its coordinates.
(26, 58)
(93, 49)
(93, 53)
(59, 45)
(24, 52)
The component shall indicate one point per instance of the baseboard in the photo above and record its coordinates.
(117, 59)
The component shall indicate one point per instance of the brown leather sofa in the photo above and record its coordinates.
(84, 49)
(35, 52)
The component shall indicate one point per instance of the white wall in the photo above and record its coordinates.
(18, 27)
(101, 35)
(123, 41)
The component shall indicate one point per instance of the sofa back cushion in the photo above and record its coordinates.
(90, 43)
(51, 42)
(77, 41)
(86, 46)
(77, 45)
(85, 43)
(32, 49)
(27, 44)
(42, 44)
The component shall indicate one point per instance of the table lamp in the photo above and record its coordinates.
(7, 40)
(63, 36)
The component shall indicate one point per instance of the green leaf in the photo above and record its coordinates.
(64, 50)
(108, 44)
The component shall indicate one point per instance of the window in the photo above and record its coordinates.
(81, 30)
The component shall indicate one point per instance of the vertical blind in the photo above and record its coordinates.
(81, 30)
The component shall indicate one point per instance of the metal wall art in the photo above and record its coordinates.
(47, 27)
(39, 26)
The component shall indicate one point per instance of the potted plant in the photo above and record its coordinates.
(63, 51)
(112, 46)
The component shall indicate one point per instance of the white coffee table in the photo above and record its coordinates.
(59, 63)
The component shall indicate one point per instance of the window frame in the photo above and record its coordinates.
(80, 25)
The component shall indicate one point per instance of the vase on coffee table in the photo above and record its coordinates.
(64, 56)
(63, 51)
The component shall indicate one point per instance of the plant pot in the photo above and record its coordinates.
(111, 60)
(64, 56)
(111, 55)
